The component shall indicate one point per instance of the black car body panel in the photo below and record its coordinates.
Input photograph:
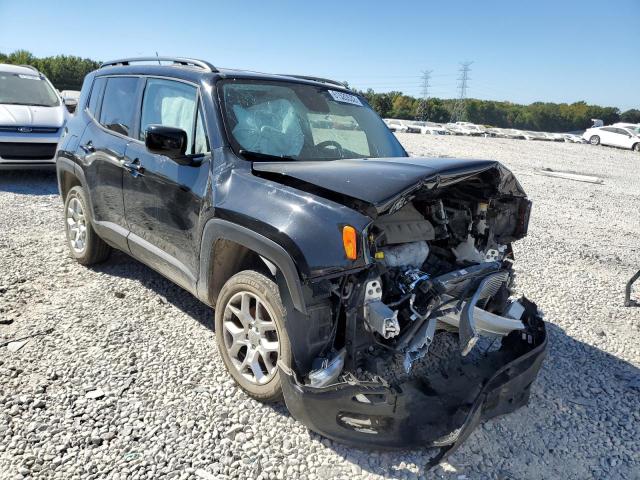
(422, 413)
(394, 178)
(200, 218)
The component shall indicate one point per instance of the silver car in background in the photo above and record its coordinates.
(32, 117)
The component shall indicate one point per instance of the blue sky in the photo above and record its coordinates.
(523, 51)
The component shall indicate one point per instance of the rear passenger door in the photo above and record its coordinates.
(607, 136)
(622, 138)
(162, 198)
(101, 152)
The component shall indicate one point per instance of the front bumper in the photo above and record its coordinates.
(439, 410)
(28, 150)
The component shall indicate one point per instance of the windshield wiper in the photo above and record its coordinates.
(263, 156)
(27, 104)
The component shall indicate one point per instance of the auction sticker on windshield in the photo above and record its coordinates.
(345, 98)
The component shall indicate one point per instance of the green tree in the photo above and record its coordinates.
(64, 71)
(631, 116)
(404, 107)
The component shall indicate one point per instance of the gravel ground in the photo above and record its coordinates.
(125, 380)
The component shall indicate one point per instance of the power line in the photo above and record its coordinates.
(463, 79)
(422, 107)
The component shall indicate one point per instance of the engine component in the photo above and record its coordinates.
(487, 288)
(408, 281)
(486, 322)
(454, 283)
(382, 319)
(514, 310)
(373, 291)
(467, 252)
(420, 344)
(406, 255)
(328, 370)
(405, 226)
(481, 216)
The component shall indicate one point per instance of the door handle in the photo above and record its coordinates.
(134, 167)
(88, 147)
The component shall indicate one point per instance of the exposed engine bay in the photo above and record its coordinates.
(420, 336)
(439, 265)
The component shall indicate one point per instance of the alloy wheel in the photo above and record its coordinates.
(76, 225)
(250, 337)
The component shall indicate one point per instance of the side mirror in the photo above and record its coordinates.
(168, 141)
(70, 103)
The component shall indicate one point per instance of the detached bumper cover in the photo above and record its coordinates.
(439, 410)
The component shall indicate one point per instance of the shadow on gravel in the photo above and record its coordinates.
(122, 265)
(582, 394)
(29, 182)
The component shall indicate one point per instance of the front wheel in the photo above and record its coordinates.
(594, 140)
(250, 333)
(84, 243)
(636, 147)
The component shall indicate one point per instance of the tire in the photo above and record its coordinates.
(636, 147)
(243, 337)
(84, 243)
(594, 140)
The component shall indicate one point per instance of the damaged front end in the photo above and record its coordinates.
(428, 339)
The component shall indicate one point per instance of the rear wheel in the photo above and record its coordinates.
(594, 140)
(249, 323)
(636, 147)
(84, 243)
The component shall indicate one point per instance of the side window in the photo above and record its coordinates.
(169, 103)
(96, 95)
(118, 105)
(201, 142)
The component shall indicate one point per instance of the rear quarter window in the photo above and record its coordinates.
(96, 96)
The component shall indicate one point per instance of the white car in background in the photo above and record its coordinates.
(32, 116)
(573, 138)
(613, 136)
(430, 128)
(400, 126)
(634, 127)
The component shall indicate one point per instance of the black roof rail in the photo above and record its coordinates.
(176, 60)
(317, 79)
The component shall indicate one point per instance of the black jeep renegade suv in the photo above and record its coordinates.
(354, 281)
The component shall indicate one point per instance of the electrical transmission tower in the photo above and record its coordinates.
(422, 112)
(463, 79)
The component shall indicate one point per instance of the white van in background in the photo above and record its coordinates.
(32, 116)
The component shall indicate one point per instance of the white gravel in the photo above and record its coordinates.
(128, 383)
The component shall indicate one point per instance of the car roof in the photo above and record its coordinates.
(196, 73)
(23, 69)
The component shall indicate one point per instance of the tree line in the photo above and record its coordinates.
(539, 116)
(67, 72)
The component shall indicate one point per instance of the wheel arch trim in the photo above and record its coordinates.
(219, 229)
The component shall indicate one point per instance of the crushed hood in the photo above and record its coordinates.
(31, 116)
(382, 182)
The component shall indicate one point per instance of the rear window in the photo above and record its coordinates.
(118, 105)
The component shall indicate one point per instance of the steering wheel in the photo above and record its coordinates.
(329, 144)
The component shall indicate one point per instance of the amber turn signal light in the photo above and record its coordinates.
(349, 241)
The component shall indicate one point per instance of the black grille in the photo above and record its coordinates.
(29, 129)
(27, 151)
